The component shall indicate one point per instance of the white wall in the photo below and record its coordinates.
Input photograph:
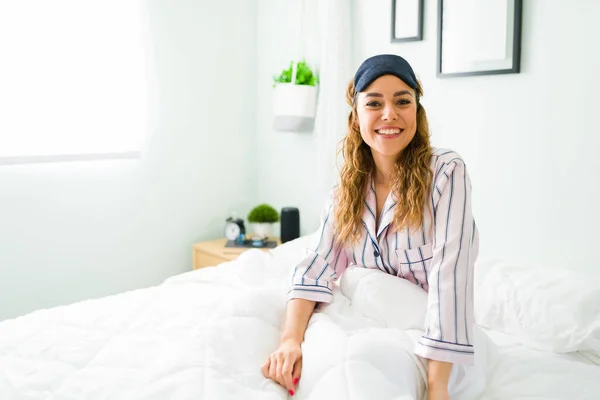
(529, 139)
(72, 231)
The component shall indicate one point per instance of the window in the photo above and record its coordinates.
(72, 79)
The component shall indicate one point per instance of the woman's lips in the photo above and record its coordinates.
(389, 132)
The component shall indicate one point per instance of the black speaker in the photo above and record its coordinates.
(290, 224)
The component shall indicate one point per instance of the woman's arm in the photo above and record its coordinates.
(311, 282)
(448, 337)
(324, 262)
(297, 314)
(284, 365)
(438, 375)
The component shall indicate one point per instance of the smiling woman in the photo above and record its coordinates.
(402, 208)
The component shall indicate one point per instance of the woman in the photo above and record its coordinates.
(401, 207)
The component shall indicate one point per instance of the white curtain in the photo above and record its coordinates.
(335, 70)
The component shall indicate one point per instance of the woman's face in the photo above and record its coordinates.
(387, 115)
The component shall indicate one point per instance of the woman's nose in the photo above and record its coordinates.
(389, 113)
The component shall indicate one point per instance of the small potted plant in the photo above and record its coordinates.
(295, 98)
(263, 216)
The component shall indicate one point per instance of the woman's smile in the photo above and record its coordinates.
(389, 132)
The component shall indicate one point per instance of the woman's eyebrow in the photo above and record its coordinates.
(400, 93)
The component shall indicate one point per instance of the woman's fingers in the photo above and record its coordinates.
(273, 367)
(286, 372)
(279, 370)
(297, 372)
(265, 367)
(284, 366)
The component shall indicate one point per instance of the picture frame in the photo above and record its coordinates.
(479, 37)
(407, 21)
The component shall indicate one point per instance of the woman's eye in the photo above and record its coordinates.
(401, 102)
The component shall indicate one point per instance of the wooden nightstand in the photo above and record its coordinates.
(214, 252)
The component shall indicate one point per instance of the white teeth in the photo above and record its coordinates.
(389, 131)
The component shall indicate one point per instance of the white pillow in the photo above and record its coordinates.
(395, 302)
(548, 309)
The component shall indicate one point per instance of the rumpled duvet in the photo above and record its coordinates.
(204, 335)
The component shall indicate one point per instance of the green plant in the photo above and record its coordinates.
(304, 75)
(263, 213)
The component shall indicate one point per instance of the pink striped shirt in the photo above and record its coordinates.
(439, 260)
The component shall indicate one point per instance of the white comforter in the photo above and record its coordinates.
(204, 335)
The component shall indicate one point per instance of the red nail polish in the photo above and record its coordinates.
(296, 381)
(291, 392)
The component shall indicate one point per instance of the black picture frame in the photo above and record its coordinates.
(418, 34)
(511, 64)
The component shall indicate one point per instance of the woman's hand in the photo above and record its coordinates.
(284, 365)
(438, 393)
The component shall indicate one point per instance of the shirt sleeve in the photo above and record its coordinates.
(324, 262)
(450, 313)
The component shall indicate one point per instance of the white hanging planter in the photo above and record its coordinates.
(295, 107)
(295, 96)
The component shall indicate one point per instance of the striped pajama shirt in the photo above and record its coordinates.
(438, 257)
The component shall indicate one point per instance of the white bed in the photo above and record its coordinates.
(204, 335)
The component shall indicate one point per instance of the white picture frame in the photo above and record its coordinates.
(478, 37)
(407, 20)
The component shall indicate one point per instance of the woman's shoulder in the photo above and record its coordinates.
(443, 157)
(331, 196)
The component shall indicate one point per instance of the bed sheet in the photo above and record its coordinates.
(515, 371)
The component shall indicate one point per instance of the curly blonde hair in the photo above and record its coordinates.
(411, 177)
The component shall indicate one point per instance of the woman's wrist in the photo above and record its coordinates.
(438, 374)
(291, 337)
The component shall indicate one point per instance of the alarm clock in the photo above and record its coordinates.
(235, 229)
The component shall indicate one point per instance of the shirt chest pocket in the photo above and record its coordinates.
(414, 264)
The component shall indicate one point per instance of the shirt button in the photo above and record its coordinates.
(376, 253)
